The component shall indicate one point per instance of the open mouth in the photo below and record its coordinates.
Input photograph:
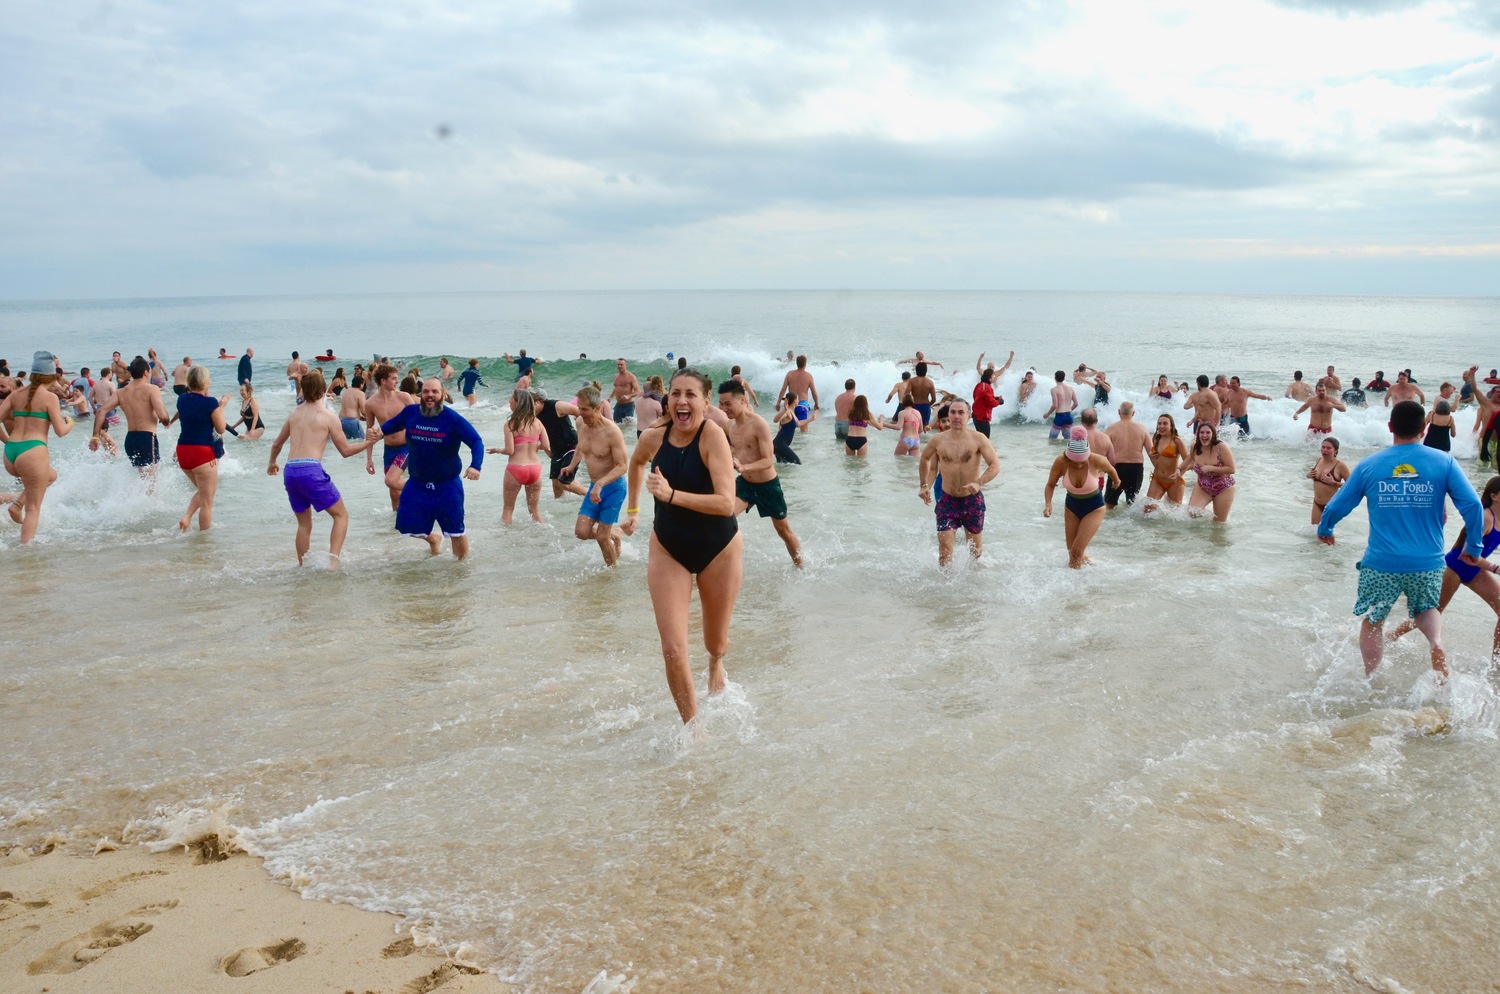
(683, 415)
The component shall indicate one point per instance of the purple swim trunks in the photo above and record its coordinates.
(308, 485)
(960, 512)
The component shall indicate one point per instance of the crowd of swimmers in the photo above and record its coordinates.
(702, 463)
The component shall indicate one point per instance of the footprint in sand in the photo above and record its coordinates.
(85, 947)
(11, 905)
(437, 978)
(110, 886)
(403, 946)
(253, 959)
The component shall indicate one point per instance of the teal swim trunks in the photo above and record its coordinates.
(1379, 591)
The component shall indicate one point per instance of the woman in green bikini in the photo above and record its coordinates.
(27, 415)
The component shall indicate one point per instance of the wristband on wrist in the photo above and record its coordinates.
(632, 510)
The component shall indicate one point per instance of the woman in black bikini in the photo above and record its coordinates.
(860, 423)
(694, 533)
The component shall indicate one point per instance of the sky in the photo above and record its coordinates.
(164, 148)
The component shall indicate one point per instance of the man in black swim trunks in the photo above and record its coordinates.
(144, 410)
(755, 461)
(955, 454)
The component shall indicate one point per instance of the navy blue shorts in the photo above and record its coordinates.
(426, 504)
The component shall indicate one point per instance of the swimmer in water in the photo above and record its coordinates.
(789, 416)
(860, 423)
(1328, 474)
(909, 423)
(1166, 450)
(1215, 479)
(1079, 469)
(695, 540)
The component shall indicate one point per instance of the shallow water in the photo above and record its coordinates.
(1165, 772)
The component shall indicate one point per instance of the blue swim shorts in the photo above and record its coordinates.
(1379, 591)
(611, 500)
(623, 411)
(393, 454)
(307, 485)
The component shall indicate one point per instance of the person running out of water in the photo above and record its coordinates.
(627, 389)
(27, 416)
(694, 537)
(1404, 389)
(249, 415)
(1320, 407)
(1478, 578)
(1215, 478)
(1167, 451)
(955, 454)
(1328, 474)
(1440, 428)
(198, 448)
(757, 485)
(1064, 403)
(1129, 441)
(381, 406)
(601, 448)
(1406, 485)
(1239, 403)
(310, 428)
(861, 420)
(1079, 469)
(787, 417)
(432, 502)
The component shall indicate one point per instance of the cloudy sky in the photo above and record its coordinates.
(167, 147)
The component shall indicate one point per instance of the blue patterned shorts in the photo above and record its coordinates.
(1379, 591)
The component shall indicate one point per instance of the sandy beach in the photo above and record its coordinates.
(130, 920)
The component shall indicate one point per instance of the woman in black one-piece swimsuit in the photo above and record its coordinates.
(694, 533)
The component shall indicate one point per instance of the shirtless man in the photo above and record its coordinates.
(841, 405)
(1239, 403)
(627, 389)
(921, 393)
(1331, 380)
(1298, 389)
(121, 371)
(754, 460)
(1404, 389)
(601, 447)
(1064, 403)
(735, 374)
(1128, 441)
(898, 392)
(294, 371)
(104, 392)
(144, 410)
(1328, 474)
(310, 428)
(1099, 442)
(352, 410)
(383, 405)
(920, 359)
(179, 375)
(800, 382)
(956, 454)
(445, 371)
(1204, 404)
(1322, 406)
(1221, 390)
(978, 362)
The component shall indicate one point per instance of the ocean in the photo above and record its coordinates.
(1165, 772)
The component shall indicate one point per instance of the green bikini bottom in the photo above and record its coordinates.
(14, 449)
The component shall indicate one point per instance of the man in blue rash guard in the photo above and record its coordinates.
(434, 495)
(1405, 485)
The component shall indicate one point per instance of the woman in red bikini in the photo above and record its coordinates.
(524, 437)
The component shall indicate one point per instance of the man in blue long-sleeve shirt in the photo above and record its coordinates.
(1406, 485)
(434, 496)
(245, 371)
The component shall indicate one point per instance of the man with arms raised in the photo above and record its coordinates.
(385, 403)
(956, 454)
(144, 410)
(1204, 404)
(434, 498)
(1128, 442)
(754, 460)
(1320, 421)
(310, 428)
(1405, 485)
(601, 447)
(627, 389)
